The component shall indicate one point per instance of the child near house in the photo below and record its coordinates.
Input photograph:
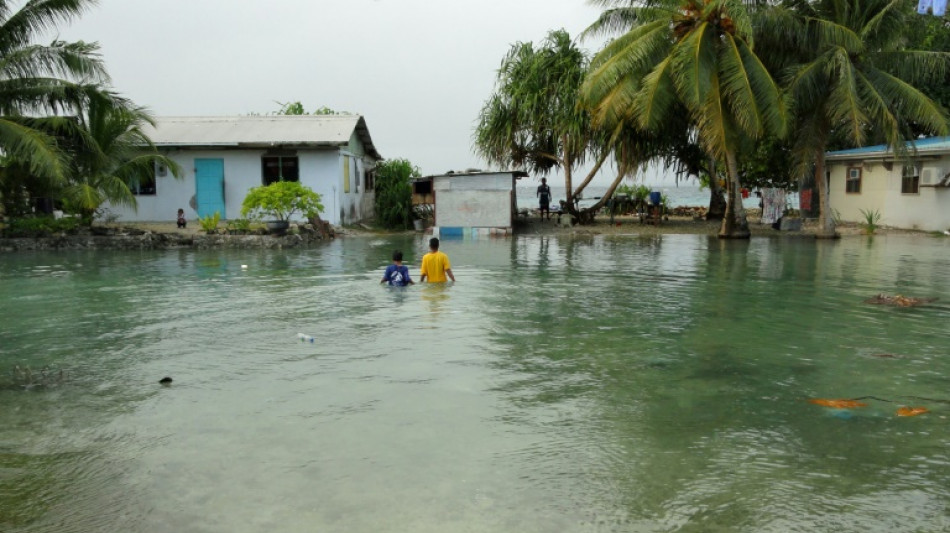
(181, 218)
(397, 274)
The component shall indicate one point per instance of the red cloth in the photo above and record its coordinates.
(804, 199)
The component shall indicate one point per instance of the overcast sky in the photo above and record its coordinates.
(417, 70)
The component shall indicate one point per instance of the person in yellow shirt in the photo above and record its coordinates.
(435, 265)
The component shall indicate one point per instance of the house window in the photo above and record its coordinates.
(369, 180)
(276, 168)
(853, 183)
(910, 180)
(143, 185)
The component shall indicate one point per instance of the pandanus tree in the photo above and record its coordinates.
(851, 79)
(533, 121)
(694, 55)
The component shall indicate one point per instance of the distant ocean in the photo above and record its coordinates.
(690, 196)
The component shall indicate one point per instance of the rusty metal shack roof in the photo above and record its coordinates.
(261, 131)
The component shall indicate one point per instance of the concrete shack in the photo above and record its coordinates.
(473, 203)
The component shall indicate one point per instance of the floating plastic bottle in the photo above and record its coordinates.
(305, 338)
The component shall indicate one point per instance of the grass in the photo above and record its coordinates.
(871, 219)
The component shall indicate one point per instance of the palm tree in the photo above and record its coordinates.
(109, 153)
(695, 54)
(852, 79)
(41, 80)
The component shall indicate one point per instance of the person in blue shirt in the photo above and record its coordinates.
(397, 274)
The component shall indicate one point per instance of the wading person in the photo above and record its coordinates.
(544, 198)
(435, 265)
(397, 274)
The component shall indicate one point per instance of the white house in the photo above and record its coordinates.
(909, 193)
(223, 157)
(474, 203)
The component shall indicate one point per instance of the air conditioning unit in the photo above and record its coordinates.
(930, 176)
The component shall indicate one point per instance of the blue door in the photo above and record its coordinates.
(209, 183)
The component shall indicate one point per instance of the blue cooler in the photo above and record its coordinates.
(655, 198)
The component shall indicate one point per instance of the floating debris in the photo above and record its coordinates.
(898, 300)
(837, 404)
(912, 411)
(165, 381)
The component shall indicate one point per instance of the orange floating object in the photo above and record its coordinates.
(912, 411)
(837, 404)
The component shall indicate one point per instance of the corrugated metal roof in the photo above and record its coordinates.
(517, 174)
(261, 131)
(928, 146)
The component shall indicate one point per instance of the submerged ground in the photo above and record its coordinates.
(566, 383)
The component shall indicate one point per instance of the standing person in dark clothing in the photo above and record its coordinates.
(544, 198)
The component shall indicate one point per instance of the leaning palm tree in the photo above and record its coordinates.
(851, 78)
(695, 54)
(532, 120)
(41, 80)
(109, 154)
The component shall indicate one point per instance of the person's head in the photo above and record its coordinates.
(434, 244)
(397, 256)
(181, 211)
(544, 181)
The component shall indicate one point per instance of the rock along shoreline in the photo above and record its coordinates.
(148, 240)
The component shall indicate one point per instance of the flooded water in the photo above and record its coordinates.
(562, 384)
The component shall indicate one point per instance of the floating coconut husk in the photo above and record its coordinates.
(912, 411)
(837, 404)
(898, 300)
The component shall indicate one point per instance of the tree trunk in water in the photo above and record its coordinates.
(826, 223)
(717, 202)
(734, 223)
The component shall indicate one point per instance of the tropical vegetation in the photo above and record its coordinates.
(754, 91)
(65, 137)
(393, 188)
(534, 120)
(280, 200)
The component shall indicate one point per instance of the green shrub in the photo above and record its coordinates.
(41, 226)
(394, 193)
(239, 225)
(871, 219)
(280, 200)
(210, 222)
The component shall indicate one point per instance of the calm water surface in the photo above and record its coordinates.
(563, 384)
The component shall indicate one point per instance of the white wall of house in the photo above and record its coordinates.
(480, 201)
(321, 170)
(928, 209)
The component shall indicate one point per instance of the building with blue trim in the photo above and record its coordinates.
(910, 190)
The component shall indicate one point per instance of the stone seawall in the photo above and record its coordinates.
(157, 241)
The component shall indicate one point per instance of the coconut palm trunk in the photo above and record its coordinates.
(826, 223)
(734, 223)
(717, 203)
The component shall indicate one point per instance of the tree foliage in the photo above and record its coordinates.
(394, 193)
(297, 108)
(851, 81)
(42, 80)
(280, 201)
(698, 56)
